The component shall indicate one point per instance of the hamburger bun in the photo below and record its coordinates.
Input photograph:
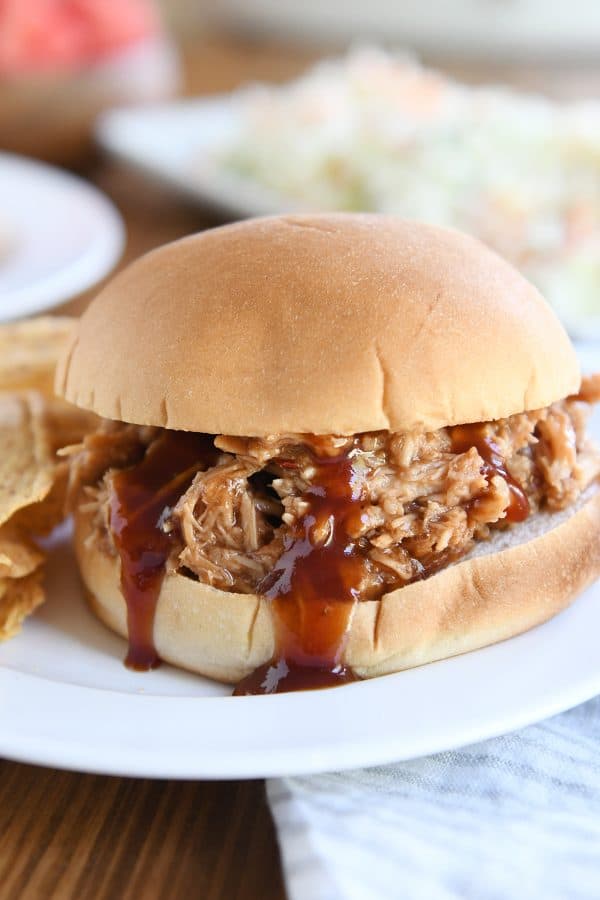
(333, 324)
(518, 579)
(321, 324)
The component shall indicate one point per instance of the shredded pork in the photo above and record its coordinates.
(424, 503)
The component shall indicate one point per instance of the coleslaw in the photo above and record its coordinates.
(378, 132)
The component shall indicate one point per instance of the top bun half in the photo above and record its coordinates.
(322, 324)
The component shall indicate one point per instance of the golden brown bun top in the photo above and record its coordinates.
(324, 324)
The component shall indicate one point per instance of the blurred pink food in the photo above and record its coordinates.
(66, 35)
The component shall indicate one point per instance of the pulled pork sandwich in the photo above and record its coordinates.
(333, 447)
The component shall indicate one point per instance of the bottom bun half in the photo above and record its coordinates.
(520, 578)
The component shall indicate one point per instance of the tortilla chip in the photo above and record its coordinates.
(41, 518)
(34, 426)
(29, 351)
(18, 599)
(26, 457)
(64, 425)
(19, 556)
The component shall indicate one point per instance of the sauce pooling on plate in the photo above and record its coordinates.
(141, 498)
(315, 584)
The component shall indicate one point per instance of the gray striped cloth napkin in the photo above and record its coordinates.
(509, 818)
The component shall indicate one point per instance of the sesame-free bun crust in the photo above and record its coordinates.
(520, 578)
(323, 324)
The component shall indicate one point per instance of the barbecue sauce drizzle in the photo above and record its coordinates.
(463, 437)
(140, 498)
(315, 584)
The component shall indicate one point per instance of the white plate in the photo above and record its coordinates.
(66, 700)
(170, 141)
(175, 143)
(465, 29)
(58, 236)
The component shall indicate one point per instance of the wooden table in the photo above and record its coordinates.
(89, 837)
(65, 835)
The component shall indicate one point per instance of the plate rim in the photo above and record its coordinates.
(240, 200)
(26, 698)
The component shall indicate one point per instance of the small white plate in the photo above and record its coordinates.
(66, 700)
(58, 236)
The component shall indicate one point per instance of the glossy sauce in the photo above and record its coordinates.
(315, 584)
(140, 498)
(464, 437)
